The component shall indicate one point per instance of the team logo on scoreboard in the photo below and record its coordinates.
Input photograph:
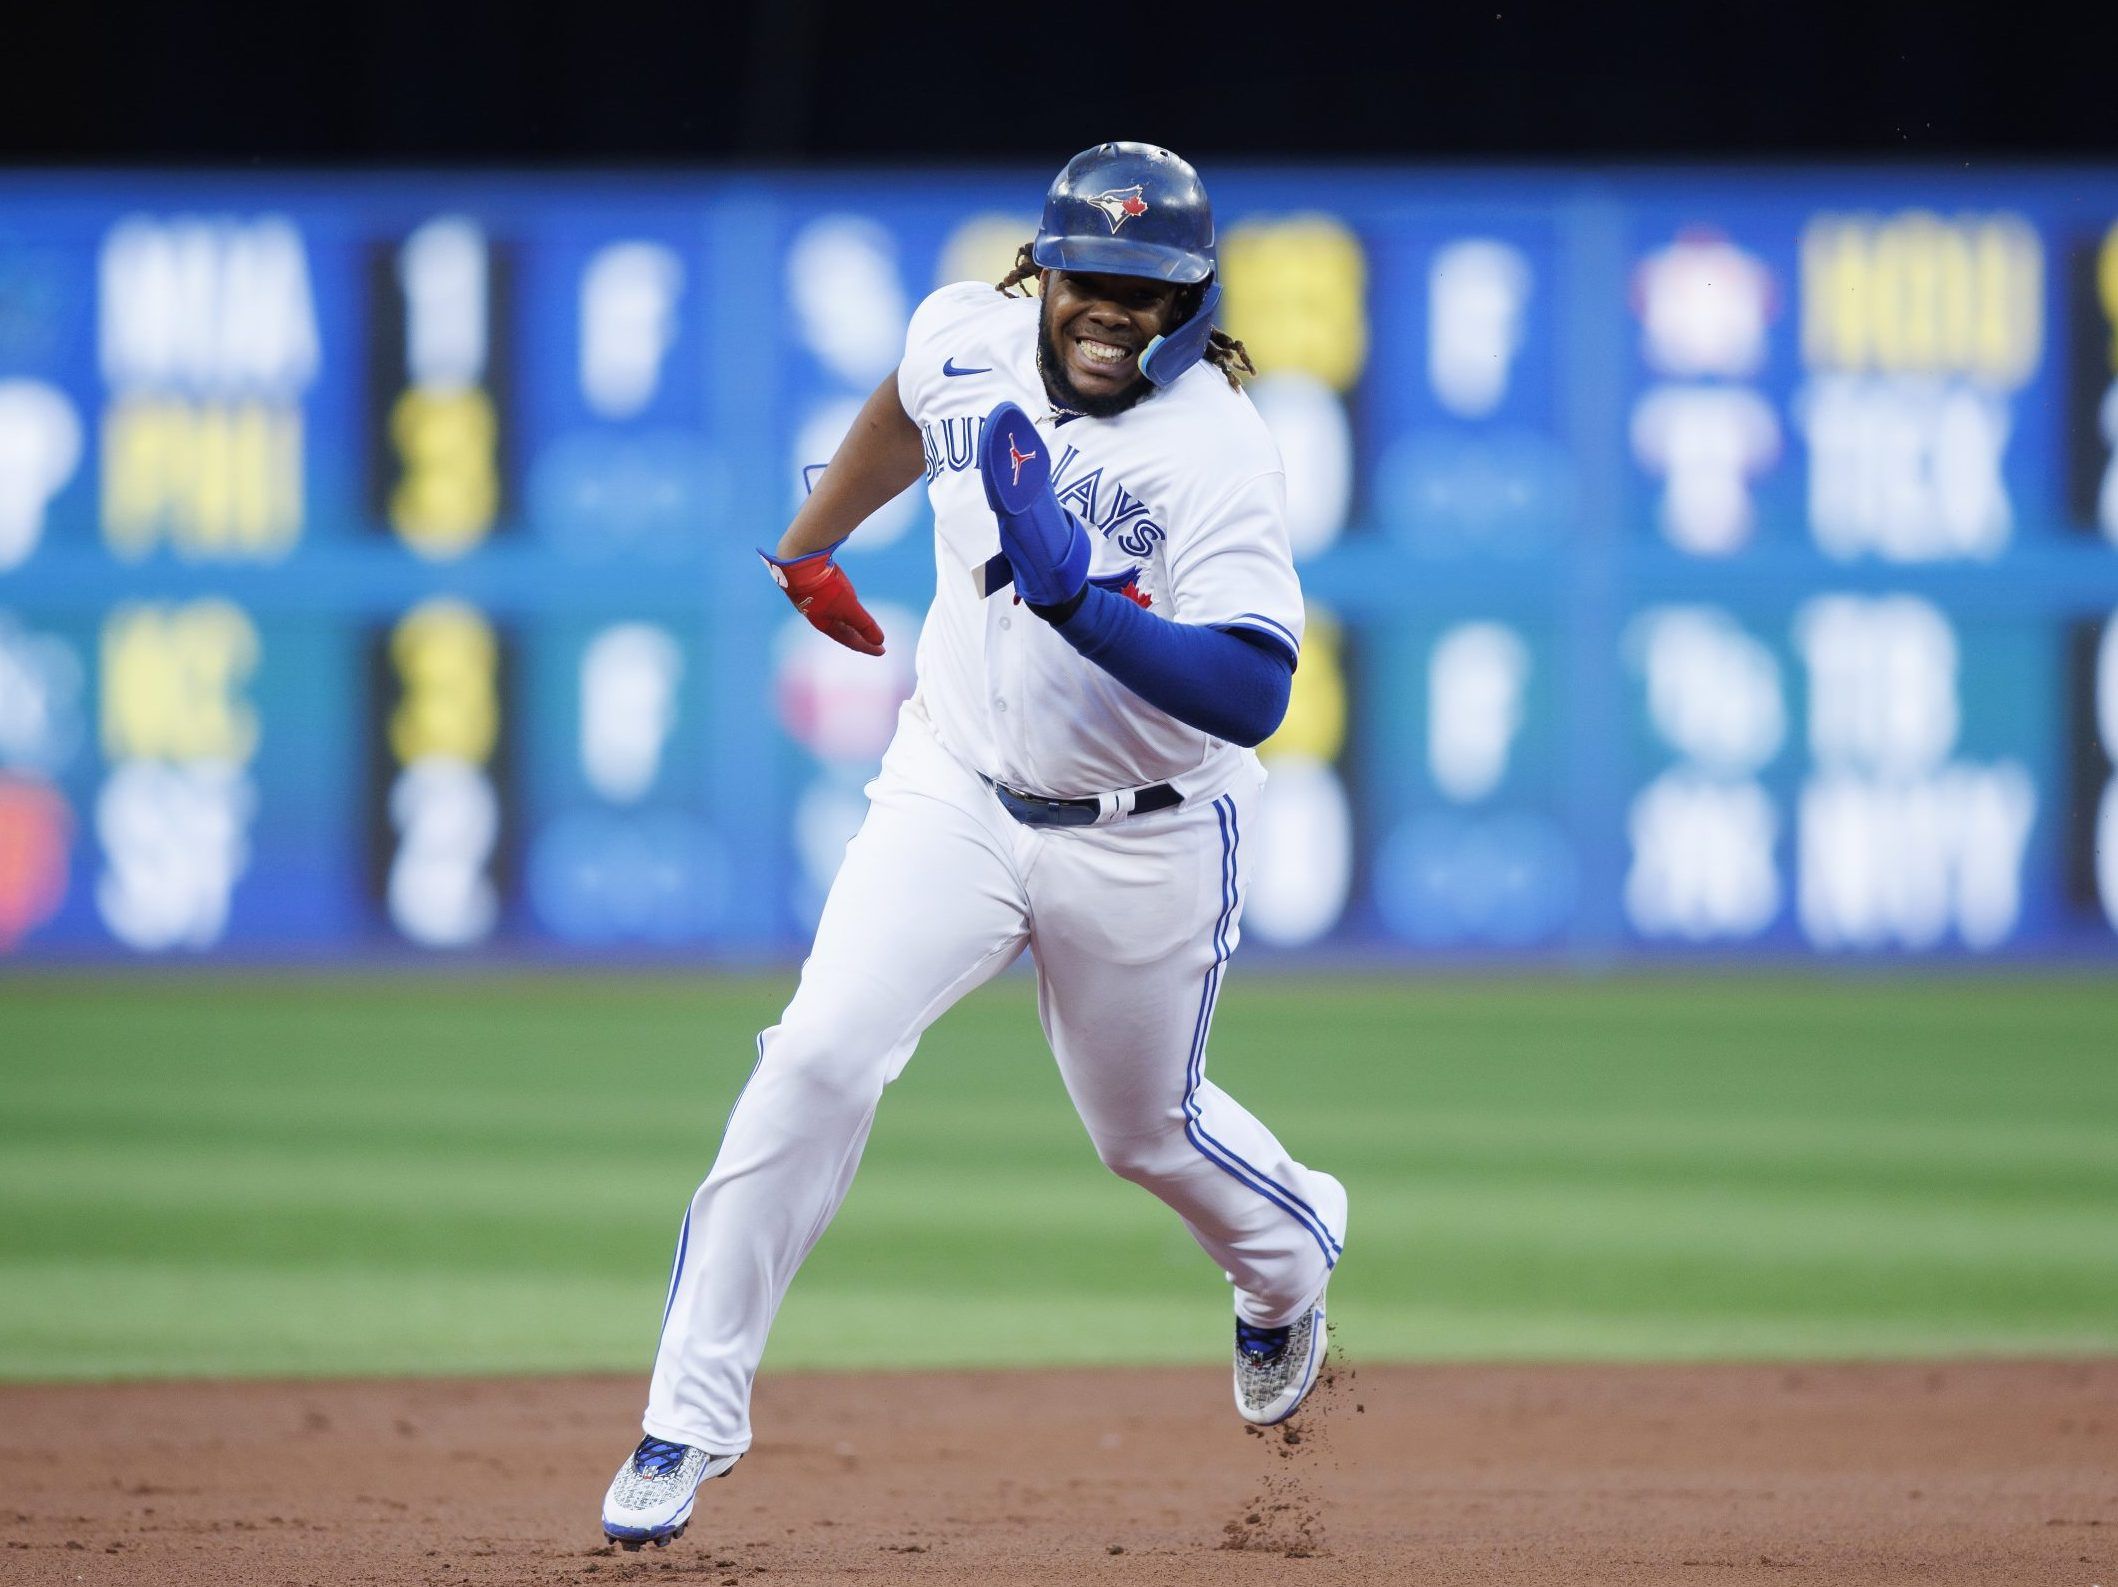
(1120, 205)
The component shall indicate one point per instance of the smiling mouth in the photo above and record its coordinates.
(1101, 357)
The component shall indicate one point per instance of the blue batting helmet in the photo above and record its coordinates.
(1131, 209)
(1128, 209)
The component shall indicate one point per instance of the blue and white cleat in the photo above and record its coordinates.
(651, 1496)
(1275, 1368)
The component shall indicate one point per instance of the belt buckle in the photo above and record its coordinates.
(1032, 810)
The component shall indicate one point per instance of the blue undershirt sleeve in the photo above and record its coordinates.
(1233, 684)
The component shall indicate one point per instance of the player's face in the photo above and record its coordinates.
(1094, 329)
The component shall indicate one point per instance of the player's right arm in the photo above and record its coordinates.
(880, 456)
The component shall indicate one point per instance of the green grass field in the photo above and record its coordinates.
(337, 1175)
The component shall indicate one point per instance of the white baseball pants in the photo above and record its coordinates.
(1130, 925)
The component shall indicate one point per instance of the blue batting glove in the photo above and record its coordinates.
(1043, 542)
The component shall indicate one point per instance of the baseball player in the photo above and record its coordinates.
(1116, 621)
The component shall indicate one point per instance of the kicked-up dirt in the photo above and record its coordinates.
(1986, 1472)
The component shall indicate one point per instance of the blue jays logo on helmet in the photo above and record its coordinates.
(1120, 205)
(1132, 209)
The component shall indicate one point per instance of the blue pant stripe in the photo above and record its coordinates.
(1236, 829)
(1264, 1187)
(1243, 1172)
(676, 1270)
(755, 1065)
(1213, 1151)
(1206, 991)
(1195, 1066)
(1231, 848)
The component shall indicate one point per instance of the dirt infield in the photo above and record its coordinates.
(1992, 1473)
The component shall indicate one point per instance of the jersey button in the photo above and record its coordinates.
(1000, 705)
(1007, 622)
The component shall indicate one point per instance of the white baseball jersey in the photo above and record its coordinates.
(1184, 498)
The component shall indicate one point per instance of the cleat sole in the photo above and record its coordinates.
(636, 1545)
(633, 1545)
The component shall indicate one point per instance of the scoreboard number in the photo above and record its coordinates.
(446, 660)
(447, 819)
(448, 487)
(439, 815)
(438, 362)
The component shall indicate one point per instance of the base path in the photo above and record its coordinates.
(1531, 1476)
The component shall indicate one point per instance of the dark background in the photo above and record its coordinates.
(784, 81)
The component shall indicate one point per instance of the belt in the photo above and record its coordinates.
(1033, 810)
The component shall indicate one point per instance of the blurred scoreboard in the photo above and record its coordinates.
(1697, 563)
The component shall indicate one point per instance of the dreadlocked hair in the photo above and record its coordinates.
(1223, 351)
(1025, 271)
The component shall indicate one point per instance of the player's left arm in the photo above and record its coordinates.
(1230, 679)
(1232, 683)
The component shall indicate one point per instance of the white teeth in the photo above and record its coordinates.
(1103, 352)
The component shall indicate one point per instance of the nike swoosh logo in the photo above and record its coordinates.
(948, 367)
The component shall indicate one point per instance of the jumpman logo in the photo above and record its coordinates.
(1018, 459)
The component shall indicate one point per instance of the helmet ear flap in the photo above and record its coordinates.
(1173, 352)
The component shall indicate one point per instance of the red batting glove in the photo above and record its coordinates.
(822, 593)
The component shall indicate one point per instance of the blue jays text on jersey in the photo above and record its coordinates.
(1104, 504)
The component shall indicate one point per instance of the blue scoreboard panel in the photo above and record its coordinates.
(1698, 563)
